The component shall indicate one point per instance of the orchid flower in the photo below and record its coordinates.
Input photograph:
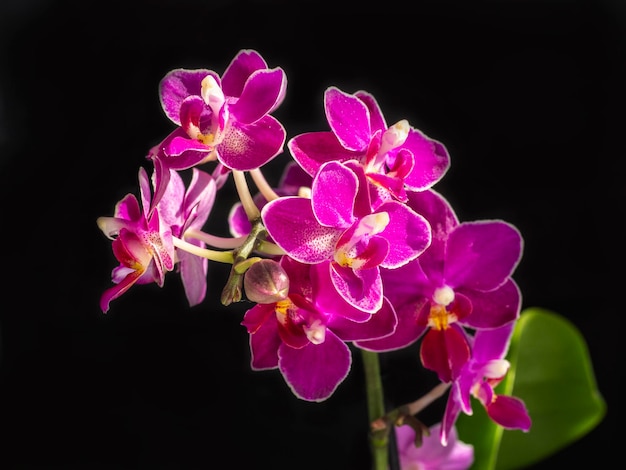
(431, 454)
(395, 159)
(304, 334)
(142, 243)
(220, 118)
(337, 224)
(462, 280)
(478, 378)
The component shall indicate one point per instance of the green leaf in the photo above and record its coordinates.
(551, 371)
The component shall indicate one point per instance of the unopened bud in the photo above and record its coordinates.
(266, 282)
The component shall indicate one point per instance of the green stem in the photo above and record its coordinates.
(379, 438)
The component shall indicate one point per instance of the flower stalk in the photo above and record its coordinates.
(379, 436)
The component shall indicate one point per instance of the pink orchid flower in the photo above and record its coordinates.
(221, 118)
(304, 335)
(395, 159)
(142, 243)
(337, 224)
(462, 280)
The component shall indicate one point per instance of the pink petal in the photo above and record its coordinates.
(312, 149)
(348, 118)
(445, 352)
(314, 372)
(482, 255)
(259, 96)
(509, 412)
(249, 146)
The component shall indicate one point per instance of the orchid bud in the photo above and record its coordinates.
(266, 282)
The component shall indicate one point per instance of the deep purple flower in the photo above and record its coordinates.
(479, 377)
(142, 243)
(462, 280)
(432, 455)
(337, 224)
(395, 159)
(226, 119)
(305, 334)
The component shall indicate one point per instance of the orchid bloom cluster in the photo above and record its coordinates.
(353, 249)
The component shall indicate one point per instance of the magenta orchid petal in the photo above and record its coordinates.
(445, 352)
(314, 372)
(259, 95)
(361, 288)
(126, 210)
(494, 308)
(431, 161)
(442, 218)
(332, 195)
(407, 331)
(118, 289)
(134, 257)
(193, 272)
(491, 344)
(450, 415)
(292, 225)
(244, 64)
(312, 149)
(482, 255)
(188, 152)
(367, 253)
(348, 118)
(327, 297)
(195, 117)
(376, 117)
(379, 325)
(264, 338)
(249, 146)
(406, 284)
(408, 233)
(170, 204)
(294, 178)
(199, 199)
(177, 85)
(509, 412)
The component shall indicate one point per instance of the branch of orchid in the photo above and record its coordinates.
(379, 438)
(214, 240)
(213, 255)
(400, 414)
(233, 290)
(252, 211)
(262, 185)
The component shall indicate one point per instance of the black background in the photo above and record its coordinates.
(528, 97)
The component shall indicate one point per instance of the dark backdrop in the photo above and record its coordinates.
(528, 97)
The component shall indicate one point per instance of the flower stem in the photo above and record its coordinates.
(252, 211)
(213, 255)
(379, 438)
(262, 184)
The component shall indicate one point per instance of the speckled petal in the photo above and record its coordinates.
(292, 225)
(348, 118)
(249, 146)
